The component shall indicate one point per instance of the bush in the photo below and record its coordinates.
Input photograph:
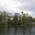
(3, 23)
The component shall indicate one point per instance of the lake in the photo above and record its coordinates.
(18, 31)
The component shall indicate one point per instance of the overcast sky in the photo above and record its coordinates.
(12, 6)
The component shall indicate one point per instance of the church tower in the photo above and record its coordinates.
(21, 14)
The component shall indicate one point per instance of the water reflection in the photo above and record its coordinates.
(3, 31)
(18, 31)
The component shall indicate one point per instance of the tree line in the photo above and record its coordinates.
(5, 20)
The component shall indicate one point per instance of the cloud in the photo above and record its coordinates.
(10, 5)
(27, 6)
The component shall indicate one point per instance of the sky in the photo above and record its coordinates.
(17, 6)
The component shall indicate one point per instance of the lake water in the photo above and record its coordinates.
(18, 31)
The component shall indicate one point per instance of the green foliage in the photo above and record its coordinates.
(24, 18)
(4, 15)
(16, 14)
(33, 19)
(15, 19)
(12, 23)
(8, 21)
(19, 21)
(0, 17)
(3, 22)
(15, 22)
(29, 19)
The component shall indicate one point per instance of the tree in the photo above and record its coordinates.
(16, 14)
(16, 20)
(19, 21)
(3, 22)
(4, 14)
(24, 18)
(0, 12)
(1, 16)
(33, 19)
(30, 19)
(8, 21)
